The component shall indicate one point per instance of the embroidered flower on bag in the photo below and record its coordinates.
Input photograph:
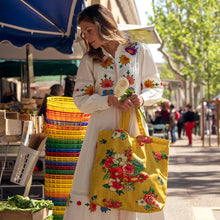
(149, 201)
(119, 134)
(159, 155)
(124, 60)
(107, 63)
(142, 139)
(121, 171)
(111, 203)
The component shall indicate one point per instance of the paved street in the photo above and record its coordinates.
(193, 182)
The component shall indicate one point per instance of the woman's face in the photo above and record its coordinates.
(90, 34)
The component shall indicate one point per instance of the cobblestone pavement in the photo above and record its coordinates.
(193, 181)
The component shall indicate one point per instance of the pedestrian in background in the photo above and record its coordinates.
(172, 123)
(189, 120)
(180, 123)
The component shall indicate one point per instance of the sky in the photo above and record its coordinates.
(142, 8)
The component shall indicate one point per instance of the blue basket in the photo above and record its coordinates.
(60, 163)
(65, 123)
(63, 150)
(56, 199)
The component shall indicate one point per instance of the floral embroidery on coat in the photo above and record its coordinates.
(106, 82)
(149, 201)
(107, 63)
(121, 171)
(124, 60)
(151, 84)
(88, 90)
(132, 50)
(130, 78)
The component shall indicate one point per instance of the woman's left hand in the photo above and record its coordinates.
(137, 100)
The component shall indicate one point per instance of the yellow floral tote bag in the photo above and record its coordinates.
(130, 173)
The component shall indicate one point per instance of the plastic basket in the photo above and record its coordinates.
(55, 167)
(56, 195)
(56, 199)
(60, 203)
(58, 181)
(67, 116)
(56, 163)
(52, 177)
(58, 154)
(64, 132)
(66, 146)
(69, 137)
(60, 172)
(58, 212)
(61, 103)
(66, 123)
(77, 150)
(62, 159)
(54, 185)
(64, 141)
(65, 127)
(57, 217)
(57, 189)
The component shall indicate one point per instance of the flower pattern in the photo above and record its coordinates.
(106, 82)
(107, 63)
(130, 78)
(107, 92)
(149, 201)
(132, 50)
(142, 139)
(151, 84)
(121, 171)
(88, 90)
(124, 60)
(159, 155)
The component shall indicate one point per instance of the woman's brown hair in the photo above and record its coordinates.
(106, 26)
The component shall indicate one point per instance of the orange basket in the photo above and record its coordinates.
(56, 194)
(54, 185)
(67, 116)
(62, 159)
(65, 127)
(51, 177)
(65, 132)
(60, 103)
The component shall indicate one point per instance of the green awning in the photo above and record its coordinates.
(13, 68)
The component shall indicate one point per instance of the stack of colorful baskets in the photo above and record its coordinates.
(65, 127)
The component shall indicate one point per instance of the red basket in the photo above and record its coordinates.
(63, 154)
(55, 167)
(67, 116)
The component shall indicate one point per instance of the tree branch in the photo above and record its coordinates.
(170, 64)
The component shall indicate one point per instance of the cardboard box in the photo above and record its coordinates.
(13, 127)
(25, 215)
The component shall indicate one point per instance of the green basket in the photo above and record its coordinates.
(60, 172)
(64, 146)
(58, 217)
(59, 203)
(64, 141)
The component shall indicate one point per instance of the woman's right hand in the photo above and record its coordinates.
(121, 105)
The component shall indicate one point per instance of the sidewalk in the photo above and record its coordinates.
(193, 181)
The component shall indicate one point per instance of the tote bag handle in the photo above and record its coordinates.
(125, 121)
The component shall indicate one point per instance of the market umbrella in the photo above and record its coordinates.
(41, 23)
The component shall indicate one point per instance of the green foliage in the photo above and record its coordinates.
(190, 30)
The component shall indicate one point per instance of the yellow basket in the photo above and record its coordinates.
(58, 181)
(64, 132)
(66, 137)
(55, 185)
(58, 212)
(57, 190)
(62, 159)
(59, 208)
(65, 104)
